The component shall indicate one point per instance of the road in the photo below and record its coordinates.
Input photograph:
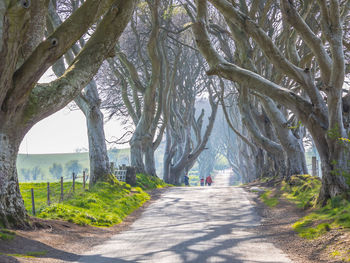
(192, 225)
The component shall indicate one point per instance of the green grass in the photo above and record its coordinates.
(269, 199)
(106, 204)
(40, 194)
(303, 191)
(6, 235)
(149, 182)
(33, 254)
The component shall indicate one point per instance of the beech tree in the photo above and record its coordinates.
(146, 67)
(146, 113)
(25, 57)
(88, 102)
(318, 73)
(186, 136)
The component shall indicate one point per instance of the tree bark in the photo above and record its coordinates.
(12, 210)
(136, 153)
(89, 103)
(150, 165)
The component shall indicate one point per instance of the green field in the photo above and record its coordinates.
(36, 167)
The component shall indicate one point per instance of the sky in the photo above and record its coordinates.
(63, 132)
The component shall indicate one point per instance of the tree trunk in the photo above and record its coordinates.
(296, 163)
(12, 210)
(136, 153)
(335, 176)
(167, 156)
(89, 103)
(150, 166)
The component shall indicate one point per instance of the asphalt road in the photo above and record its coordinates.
(192, 224)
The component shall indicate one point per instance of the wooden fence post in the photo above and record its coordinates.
(48, 194)
(61, 198)
(112, 167)
(73, 186)
(33, 203)
(84, 178)
(314, 167)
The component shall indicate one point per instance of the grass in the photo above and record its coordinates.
(149, 182)
(33, 254)
(104, 205)
(40, 193)
(303, 191)
(269, 198)
(6, 235)
(343, 255)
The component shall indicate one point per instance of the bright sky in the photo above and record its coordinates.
(63, 132)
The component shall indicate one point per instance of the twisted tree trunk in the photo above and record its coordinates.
(89, 104)
(12, 211)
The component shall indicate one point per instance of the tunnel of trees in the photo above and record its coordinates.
(255, 81)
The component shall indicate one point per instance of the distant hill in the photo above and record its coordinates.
(36, 167)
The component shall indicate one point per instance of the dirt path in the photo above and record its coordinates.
(196, 224)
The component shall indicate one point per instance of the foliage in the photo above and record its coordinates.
(149, 182)
(73, 166)
(26, 162)
(269, 199)
(36, 171)
(221, 163)
(56, 170)
(46, 161)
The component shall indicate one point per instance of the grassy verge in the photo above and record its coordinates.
(269, 198)
(104, 205)
(303, 191)
(6, 234)
(149, 182)
(33, 254)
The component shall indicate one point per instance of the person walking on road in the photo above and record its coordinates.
(187, 179)
(202, 181)
(208, 180)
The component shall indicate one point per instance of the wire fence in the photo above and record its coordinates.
(37, 196)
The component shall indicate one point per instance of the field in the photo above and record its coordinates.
(36, 167)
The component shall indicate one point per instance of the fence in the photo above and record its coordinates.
(56, 192)
(120, 173)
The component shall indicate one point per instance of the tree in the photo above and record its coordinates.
(26, 174)
(314, 66)
(36, 172)
(25, 57)
(73, 166)
(56, 170)
(89, 103)
(144, 68)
